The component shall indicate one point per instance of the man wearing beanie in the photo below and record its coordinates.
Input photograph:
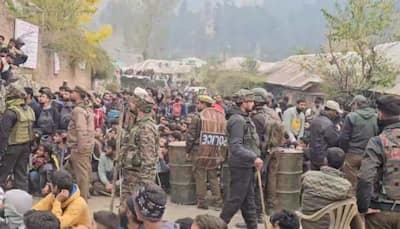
(359, 126)
(16, 204)
(149, 205)
(378, 190)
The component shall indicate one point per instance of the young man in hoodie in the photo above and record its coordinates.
(16, 203)
(359, 126)
(65, 201)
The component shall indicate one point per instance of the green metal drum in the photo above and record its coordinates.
(290, 169)
(183, 186)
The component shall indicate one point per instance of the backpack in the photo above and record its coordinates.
(65, 116)
(176, 109)
(274, 132)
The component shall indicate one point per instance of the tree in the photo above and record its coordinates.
(250, 65)
(353, 63)
(64, 30)
(143, 24)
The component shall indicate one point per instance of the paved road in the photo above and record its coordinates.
(173, 212)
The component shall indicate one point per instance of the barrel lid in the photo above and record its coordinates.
(177, 144)
(290, 150)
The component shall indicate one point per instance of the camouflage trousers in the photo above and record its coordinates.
(133, 180)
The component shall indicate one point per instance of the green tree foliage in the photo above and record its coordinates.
(353, 64)
(64, 30)
(228, 82)
(250, 65)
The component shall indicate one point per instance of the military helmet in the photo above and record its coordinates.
(15, 91)
(242, 95)
(260, 95)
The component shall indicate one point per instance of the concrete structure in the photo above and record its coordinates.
(44, 74)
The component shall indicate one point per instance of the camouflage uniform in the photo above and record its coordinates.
(139, 153)
(80, 139)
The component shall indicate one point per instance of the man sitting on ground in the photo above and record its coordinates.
(149, 203)
(285, 220)
(321, 188)
(65, 201)
(41, 220)
(105, 220)
(208, 222)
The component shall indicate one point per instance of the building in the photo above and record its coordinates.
(51, 69)
(291, 78)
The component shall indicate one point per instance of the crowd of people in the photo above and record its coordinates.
(68, 145)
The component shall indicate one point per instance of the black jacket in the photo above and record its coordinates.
(324, 134)
(242, 139)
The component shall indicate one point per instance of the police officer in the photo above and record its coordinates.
(16, 135)
(244, 158)
(80, 140)
(203, 167)
(139, 153)
(378, 190)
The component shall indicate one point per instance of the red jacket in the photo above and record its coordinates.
(98, 118)
(218, 107)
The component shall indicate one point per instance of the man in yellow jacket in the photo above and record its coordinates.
(65, 201)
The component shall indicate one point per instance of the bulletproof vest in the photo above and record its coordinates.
(391, 172)
(65, 115)
(45, 122)
(212, 138)
(22, 132)
(250, 138)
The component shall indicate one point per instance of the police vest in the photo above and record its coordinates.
(22, 132)
(212, 139)
(391, 170)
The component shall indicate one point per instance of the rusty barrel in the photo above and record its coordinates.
(183, 186)
(290, 169)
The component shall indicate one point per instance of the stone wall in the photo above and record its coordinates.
(44, 74)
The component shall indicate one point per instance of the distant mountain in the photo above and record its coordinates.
(266, 29)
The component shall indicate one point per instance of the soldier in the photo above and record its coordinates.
(16, 135)
(378, 190)
(139, 153)
(80, 140)
(244, 159)
(271, 134)
(206, 156)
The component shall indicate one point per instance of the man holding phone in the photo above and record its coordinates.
(65, 201)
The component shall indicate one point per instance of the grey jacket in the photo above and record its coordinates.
(358, 128)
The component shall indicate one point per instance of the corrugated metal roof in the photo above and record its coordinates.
(292, 72)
